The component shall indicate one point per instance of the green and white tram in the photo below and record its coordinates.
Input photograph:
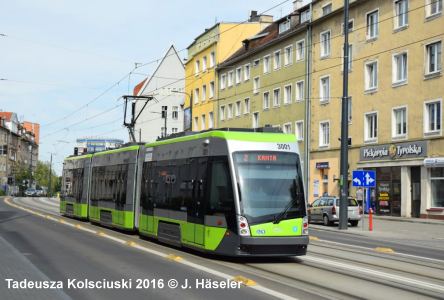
(234, 193)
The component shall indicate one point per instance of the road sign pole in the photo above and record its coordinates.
(363, 207)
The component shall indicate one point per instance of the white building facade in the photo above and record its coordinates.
(166, 85)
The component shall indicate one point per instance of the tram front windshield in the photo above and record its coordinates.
(269, 185)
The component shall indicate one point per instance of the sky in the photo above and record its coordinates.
(65, 64)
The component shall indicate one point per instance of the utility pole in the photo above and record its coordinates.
(50, 177)
(343, 203)
(165, 116)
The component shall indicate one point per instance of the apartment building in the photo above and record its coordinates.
(264, 82)
(207, 50)
(396, 90)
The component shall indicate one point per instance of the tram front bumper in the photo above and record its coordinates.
(273, 246)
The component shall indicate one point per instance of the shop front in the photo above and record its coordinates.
(399, 168)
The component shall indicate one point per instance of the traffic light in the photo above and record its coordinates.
(10, 180)
(164, 111)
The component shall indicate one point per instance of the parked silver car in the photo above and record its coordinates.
(326, 210)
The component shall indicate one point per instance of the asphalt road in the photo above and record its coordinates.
(338, 265)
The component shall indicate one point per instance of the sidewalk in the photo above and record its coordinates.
(411, 220)
(393, 229)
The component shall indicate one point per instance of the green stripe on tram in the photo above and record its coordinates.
(197, 235)
(120, 218)
(80, 210)
(266, 137)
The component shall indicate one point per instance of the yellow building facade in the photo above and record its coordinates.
(204, 54)
(396, 88)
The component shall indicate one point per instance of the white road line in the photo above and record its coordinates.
(257, 287)
(373, 249)
(372, 272)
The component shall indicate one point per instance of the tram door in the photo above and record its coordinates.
(199, 178)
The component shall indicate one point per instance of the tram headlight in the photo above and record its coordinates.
(244, 229)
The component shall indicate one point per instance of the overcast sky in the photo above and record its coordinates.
(59, 55)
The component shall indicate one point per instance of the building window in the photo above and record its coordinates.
(256, 85)
(222, 113)
(196, 123)
(277, 60)
(223, 79)
(288, 58)
(433, 63)
(399, 68)
(326, 9)
(284, 26)
(3, 150)
(325, 43)
(212, 59)
(287, 128)
(174, 130)
(203, 123)
(372, 24)
(276, 97)
(300, 50)
(399, 123)
(267, 64)
(324, 134)
(210, 120)
(371, 76)
(255, 120)
(299, 130)
(230, 111)
(238, 108)
(230, 78)
(300, 86)
(371, 127)
(437, 186)
(287, 94)
(196, 67)
(247, 72)
(266, 100)
(325, 89)
(351, 25)
(247, 106)
(305, 15)
(433, 7)
(204, 64)
(256, 63)
(432, 117)
(204, 92)
(401, 13)
(211, 95)
(175, 113)
(196, 96)
(238, 75)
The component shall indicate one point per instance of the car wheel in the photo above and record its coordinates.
(354, 223)
(326, 221)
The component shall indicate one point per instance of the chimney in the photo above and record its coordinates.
(253, 16)
(297, 4)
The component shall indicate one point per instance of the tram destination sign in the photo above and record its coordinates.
(394, 151)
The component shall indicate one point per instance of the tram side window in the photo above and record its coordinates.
(146, 197)
(221, 192)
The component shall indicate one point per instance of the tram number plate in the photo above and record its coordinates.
(283, 146)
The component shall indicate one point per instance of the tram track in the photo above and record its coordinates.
(388, 278)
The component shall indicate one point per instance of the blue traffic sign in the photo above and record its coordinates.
(364, 178)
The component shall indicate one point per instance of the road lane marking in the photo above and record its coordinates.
(196, 266)
(372, 249)
(373, 272)
(174, 257)
(384, 250)
(313, 238)
(244, 280)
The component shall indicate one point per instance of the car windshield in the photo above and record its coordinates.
(269, 183)
(351, 202)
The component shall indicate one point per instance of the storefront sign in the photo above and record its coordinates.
(394, 151)
(322, 165)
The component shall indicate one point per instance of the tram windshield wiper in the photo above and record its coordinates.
(280, 216)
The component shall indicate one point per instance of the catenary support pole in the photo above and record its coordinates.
(343, 204)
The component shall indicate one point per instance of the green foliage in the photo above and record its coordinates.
(41, 176)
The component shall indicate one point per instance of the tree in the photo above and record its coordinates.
(42, 176)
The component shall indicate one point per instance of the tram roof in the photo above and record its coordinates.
(247, 136)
